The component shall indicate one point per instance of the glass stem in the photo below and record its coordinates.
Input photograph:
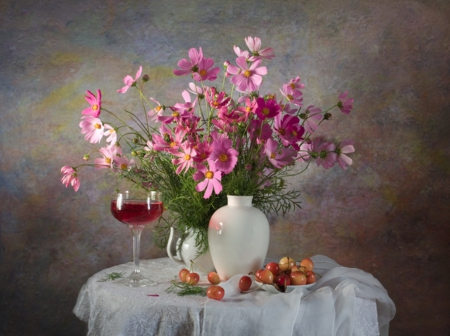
(137, 231)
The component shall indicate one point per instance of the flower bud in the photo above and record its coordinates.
(134, 153)
(327, 116)
(145, 78)
(86, 157)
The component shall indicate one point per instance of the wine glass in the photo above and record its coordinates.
(136, 209)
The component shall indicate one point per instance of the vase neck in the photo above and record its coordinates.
(239, 200)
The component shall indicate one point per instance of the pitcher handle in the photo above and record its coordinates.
(177, 259)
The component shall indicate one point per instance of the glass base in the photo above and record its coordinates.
(136, 280)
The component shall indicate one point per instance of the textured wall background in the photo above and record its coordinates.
(388, 214)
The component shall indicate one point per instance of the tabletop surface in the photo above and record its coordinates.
(111, 309)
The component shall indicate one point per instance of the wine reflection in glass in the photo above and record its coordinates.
(136, 209)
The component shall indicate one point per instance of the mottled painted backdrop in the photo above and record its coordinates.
(388, 214)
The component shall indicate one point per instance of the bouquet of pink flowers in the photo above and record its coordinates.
(216, 142)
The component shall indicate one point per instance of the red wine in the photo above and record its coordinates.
(137, 212)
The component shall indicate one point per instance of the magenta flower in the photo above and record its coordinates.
(261, 131)
(107, 159)
(346, 147)
(212, 178)
(246, 79)
(165, 141)
(287, 129)
(191, 65)
(205, 72)
(94, 102)
(186, 158)
(92, 128)
(204, 150)
(70, 177)
(345, 104)
(267, 109)
(224, 155)
(254, 44)
(130, 81)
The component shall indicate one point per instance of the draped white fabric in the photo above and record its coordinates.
(344, 301)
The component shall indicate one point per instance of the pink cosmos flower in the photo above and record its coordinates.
(284, 126)
(197, 90)
(233, 116)
(70, 177)
(130, 81)
(186, 157)
(212, 178)
(240, 53)
(205, 72)
(191, 65)
(326, 155)
(292, 95)
(224, 126)
(254, 44)
(165, 141)
(304, 152)
(246, 79)
(122, 163)
(111, 134)
(216, 100)
(295, 84)
(157, 111)
(278, 157)
(345, 147)
(224, 155)
(345, 104)
(95, 104)
(106, 161)
(266, 109)
(204, 150)
(286, 108)
(92, 128)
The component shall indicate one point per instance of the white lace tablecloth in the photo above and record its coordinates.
(343, 302)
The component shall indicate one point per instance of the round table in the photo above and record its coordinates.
(110, 309)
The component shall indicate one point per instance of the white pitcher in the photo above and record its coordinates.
(188, 251)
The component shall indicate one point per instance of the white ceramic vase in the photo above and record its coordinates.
(238, 237)
(186, 250)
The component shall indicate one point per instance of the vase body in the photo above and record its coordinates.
(186, 250)
(238, 237)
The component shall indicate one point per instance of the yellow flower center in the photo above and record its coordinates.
(247, 73)
(223, 157)
(97, 126)
(94, 107)
(248, 109)
(273, 155)
(292, 85)
(270, 96)
(209, 174)
(265, 111)
(123, 166)
(187, 157)
(290, 97)
(175, 114)
(203, 72)
(108, 160)
(173, 144)
(203, 156)
(158, 108)
(282, 131)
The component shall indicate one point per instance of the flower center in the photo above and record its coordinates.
(108, 160)
(203, 72)
(123, 166)
(292, 85)
(97, 126)
(187, 157)
(223, 157)
(203, 155)
(290, 97)
(173, 144)
(248, 109)
(94, 107)
(265, 111)
(273, 155)
(209, 174)
(247, 73)
(282, 131)
(158, 108)
(215, 103)
(175, 114)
